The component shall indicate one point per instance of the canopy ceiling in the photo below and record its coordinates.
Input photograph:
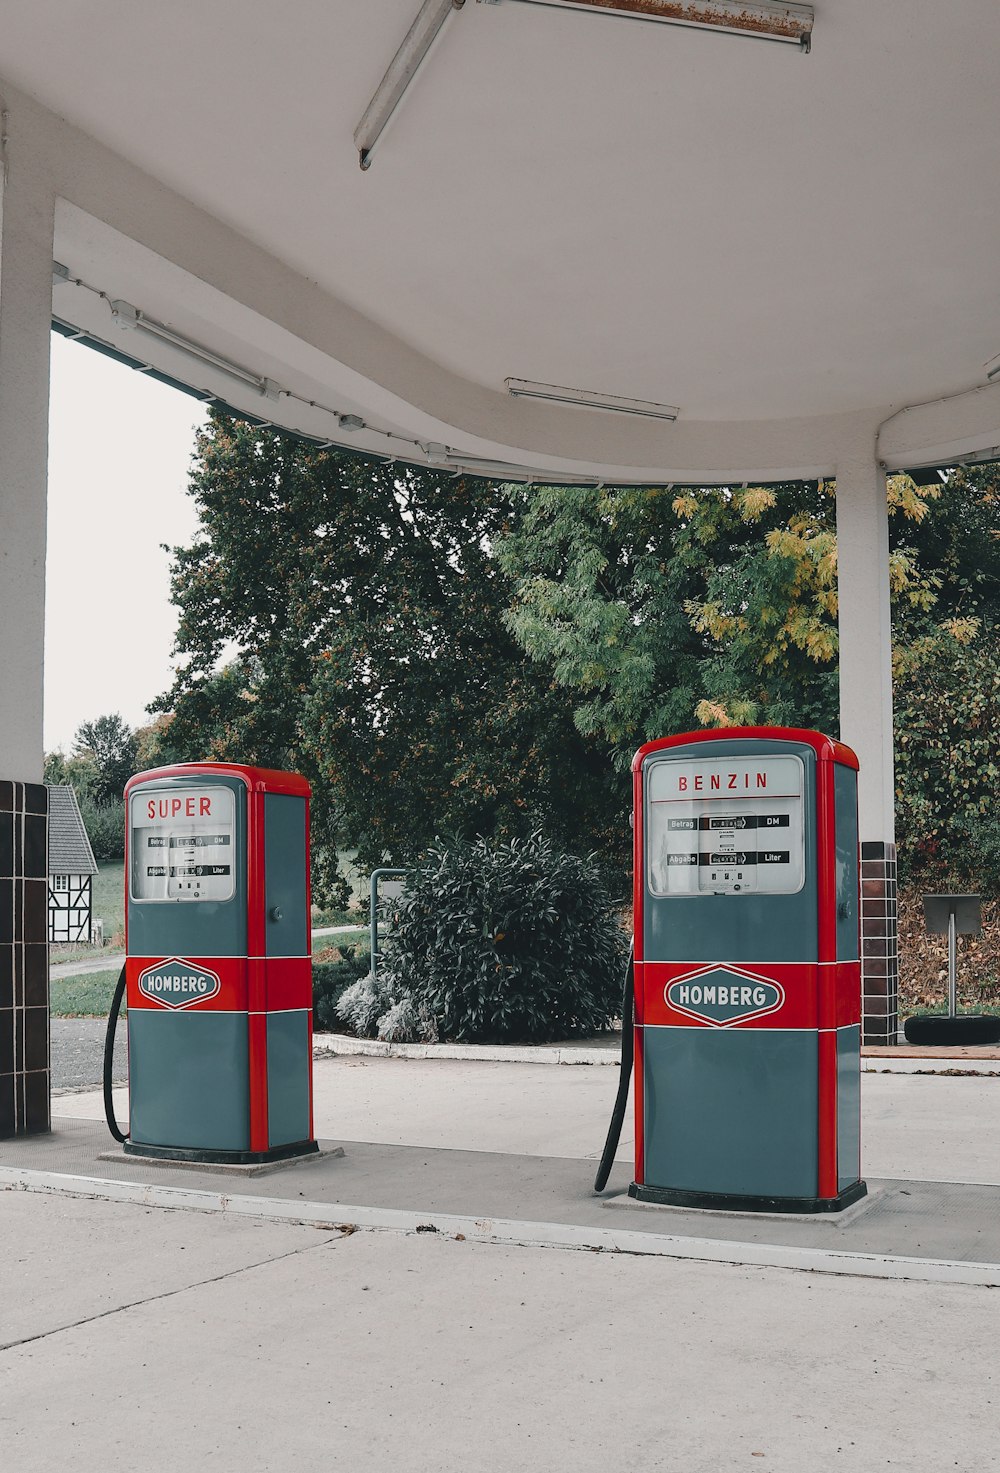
(713, 222)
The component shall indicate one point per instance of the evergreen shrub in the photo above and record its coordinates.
(506, 942)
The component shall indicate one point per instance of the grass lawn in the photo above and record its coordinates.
(341, 938)
(109, 898)
(82, 997)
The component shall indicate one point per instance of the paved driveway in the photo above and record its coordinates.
(136, 1338)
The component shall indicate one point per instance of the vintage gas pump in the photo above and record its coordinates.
(218, 967)
(747, 985)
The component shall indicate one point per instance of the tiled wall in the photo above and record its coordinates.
(24, 972)
(879, 944)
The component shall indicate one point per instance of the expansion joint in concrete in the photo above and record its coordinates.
(117, 1309)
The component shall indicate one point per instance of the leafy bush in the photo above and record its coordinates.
(330, 979)
(506, 942)
(951, 861)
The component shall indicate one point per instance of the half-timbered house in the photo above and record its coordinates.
(71, 869)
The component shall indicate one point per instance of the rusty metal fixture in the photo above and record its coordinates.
(774, 22)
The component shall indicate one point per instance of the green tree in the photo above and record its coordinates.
(110, 744)
(79, 771)
(947, 706)
(946, 677)
(103, 818)
(664, 610)
(358, 608)
(599, 597)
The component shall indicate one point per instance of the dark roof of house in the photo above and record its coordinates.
(69, 848)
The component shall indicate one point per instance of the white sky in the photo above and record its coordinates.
(120, 449)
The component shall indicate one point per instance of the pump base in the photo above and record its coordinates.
(221, 1158)
(735, 1202)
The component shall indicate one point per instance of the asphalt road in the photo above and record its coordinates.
(77, 1052)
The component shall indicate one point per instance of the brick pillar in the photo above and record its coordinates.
(879, 945)
(24, 979)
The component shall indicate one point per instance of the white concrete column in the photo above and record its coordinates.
(26, 225)
(27, 209)
(865, 623)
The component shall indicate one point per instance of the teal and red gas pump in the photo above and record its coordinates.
(747, 973)
(218, 968)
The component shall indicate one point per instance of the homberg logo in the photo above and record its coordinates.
(176, 983)
(723, 996)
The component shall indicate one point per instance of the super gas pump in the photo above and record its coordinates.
(218, 965)
(743, 1002)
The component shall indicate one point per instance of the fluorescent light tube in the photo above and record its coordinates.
(131, 318)
(504, 470)
(792, 24)
(522, 388)
(401, 71)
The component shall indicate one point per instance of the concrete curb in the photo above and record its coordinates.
(510, 1231)
(373, 1048)
(984, 1068)
(342, 1045)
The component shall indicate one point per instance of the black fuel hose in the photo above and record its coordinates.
(621, 1099)
(109, 1058)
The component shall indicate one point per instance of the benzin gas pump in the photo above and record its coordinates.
(742, 1004)
(218, 969)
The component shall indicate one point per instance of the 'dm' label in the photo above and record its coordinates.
(176, 983)
(723, 997)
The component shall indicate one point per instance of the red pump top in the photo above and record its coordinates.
(826, 749)
(257, 779)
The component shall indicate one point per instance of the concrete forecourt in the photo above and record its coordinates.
(446, 1339)
(298, 1348)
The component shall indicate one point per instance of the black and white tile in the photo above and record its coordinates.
(24, 986)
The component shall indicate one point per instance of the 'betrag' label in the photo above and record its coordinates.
(722, 997)
(176, 983)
